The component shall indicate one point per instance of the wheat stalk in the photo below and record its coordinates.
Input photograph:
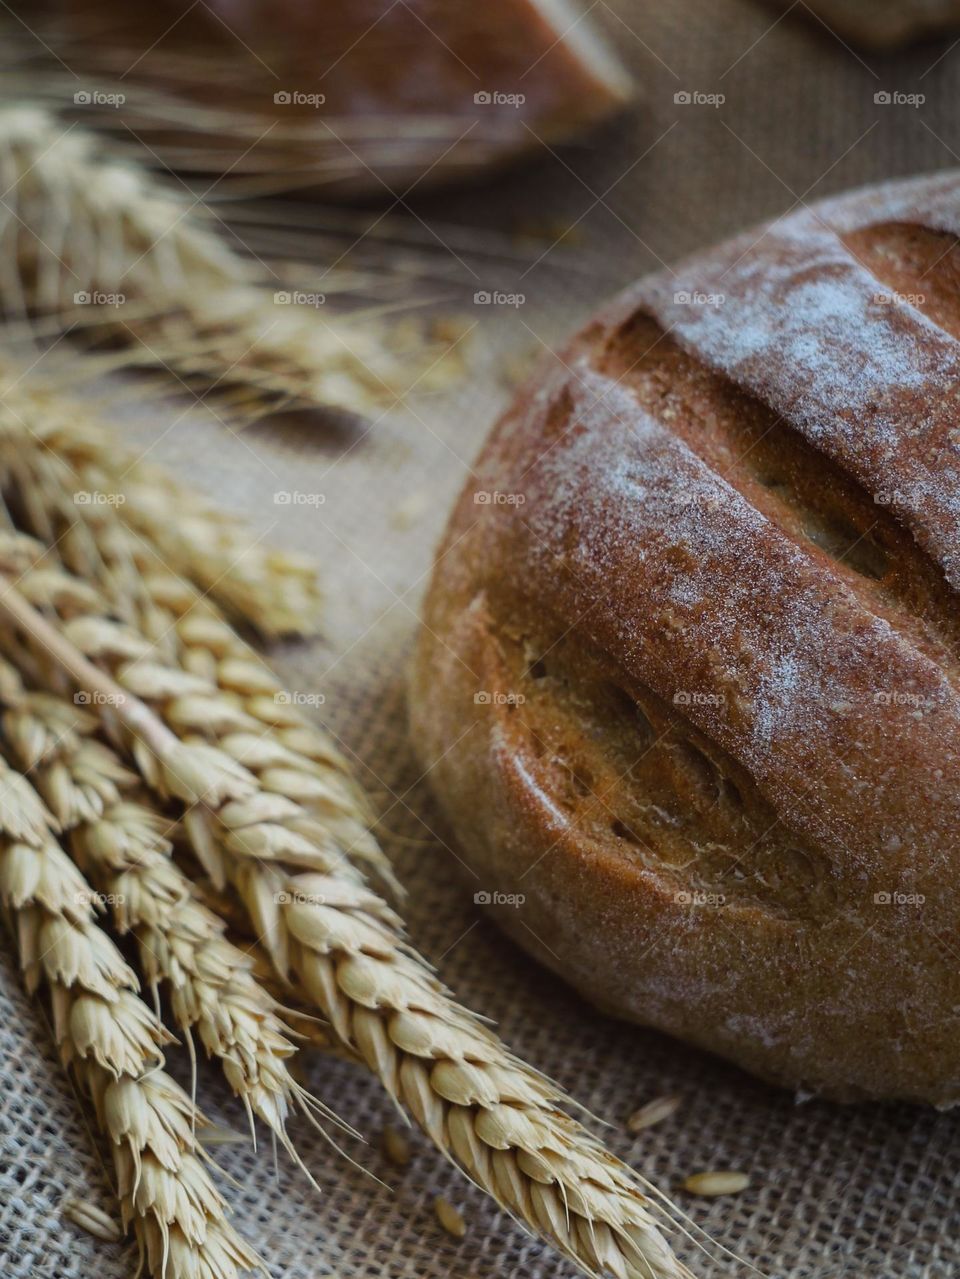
(101, 243)
(113, 1043)
(122, 846)
(110, 543)
(493, 1115)
(72, 483)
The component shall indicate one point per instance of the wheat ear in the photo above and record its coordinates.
(122, 846)
(162, 596)
(100, 242)
(74, 483)
(113, 1043)
(493, 1115)
(108, 544)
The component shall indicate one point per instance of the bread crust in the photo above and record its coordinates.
(709, 591)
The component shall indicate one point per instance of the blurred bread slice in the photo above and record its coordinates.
(360, 98)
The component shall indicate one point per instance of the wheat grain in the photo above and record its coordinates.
(654, 1112)
(716, 1183)
(493, 1115)
(449, 1217)
(91, 1218)
(122, 846)
(396, 1147)
(100, 242)
(113, 1043)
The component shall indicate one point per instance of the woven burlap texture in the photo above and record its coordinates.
(865, 1191)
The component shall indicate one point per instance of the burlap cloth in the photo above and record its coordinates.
(866, 1191)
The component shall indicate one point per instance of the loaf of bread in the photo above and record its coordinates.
(687, 684)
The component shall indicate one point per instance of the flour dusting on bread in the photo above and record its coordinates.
(723, 600)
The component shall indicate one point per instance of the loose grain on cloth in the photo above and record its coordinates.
(870, 1191)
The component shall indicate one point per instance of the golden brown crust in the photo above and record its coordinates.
(710, 585)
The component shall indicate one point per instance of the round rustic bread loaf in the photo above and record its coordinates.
(688, 677)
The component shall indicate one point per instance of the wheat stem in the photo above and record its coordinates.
(99, 240)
